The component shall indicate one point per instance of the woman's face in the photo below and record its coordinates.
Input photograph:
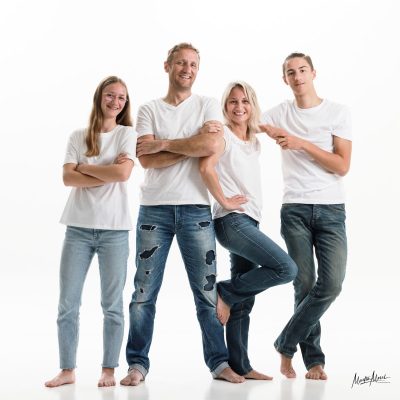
(238, 107)
(113, 100)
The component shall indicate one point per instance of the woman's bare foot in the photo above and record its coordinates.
(253, 374)
(287, 368)
(133, 378)
(223, 311)
(231, 376)
(106, 378)
(65, 377)
(316, 373)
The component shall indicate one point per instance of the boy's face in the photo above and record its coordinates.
(299, 75)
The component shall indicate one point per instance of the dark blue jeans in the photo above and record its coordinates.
(194, 230)
(309, 228)
(257, 263)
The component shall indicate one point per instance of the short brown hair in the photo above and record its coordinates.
(297, 55)
(180, 46)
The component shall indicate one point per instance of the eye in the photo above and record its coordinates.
(122, 99)
(194, 65)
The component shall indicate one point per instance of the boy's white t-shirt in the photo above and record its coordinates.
(238, 170)
(106, 206)
(305, 181)
(180, 183)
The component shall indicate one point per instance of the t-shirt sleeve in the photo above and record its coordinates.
(72, 152)
(212, 111)
(144, 124)
(343, 127)
(128, 143)
(266, 118)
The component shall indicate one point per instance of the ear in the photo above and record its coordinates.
(314, 74)
(284, 79)
(166, 66)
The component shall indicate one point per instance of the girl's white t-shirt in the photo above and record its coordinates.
(106, 206)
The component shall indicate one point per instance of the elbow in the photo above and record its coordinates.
(145, 162)
(67, 179)
(342, 171)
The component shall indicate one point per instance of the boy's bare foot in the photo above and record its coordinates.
(287, 368)
(65, 377)
(133, 378)
(223, 311)
(316, 373)
(106, 378)
(228, 374)
(253, 374)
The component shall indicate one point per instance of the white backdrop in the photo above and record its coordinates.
(54, 53)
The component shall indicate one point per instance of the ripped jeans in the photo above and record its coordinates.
(194, 230)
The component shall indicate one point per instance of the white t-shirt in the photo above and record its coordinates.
(238, 170)
(180, 183)
(100, 207)
(305, 181)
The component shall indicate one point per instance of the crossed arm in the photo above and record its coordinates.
(337, 162)
(160, 153)
(211, 180)
(87, 175)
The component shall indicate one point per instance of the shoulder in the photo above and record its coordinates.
(78, 135)
(278, 110)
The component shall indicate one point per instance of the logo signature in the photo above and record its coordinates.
(370, 379)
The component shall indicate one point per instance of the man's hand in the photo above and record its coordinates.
(289, 142)
(148, 146)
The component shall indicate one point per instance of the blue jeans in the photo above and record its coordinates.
(307, 228)
(80, 245)
(257, 263)
(194, 230)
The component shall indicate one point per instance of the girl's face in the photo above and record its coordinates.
(113, 100)
(238, 107)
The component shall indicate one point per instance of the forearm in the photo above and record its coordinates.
(211, 180)
(107, 173)
(202, 145)
(77, 179)
(161, 160)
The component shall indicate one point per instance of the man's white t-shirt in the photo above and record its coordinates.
(180, 183)
(106, 206)
(305, 181)
(238, 170)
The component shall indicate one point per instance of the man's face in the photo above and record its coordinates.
(183, 69)
(299, 76)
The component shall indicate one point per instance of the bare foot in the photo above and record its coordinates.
(287, 368)
(231, 376)
(133, 378)
(223, 311)
(253, 374)
(65, 377)
(106, 378)
(316, 373)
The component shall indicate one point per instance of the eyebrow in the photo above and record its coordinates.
(292, 69)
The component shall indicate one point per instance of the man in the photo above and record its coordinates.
(315, 136)
(173, 132)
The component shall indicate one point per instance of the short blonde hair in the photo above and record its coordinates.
(180, 46)
(250, 94)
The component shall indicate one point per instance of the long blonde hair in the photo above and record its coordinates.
(96, 116)
(254, 121)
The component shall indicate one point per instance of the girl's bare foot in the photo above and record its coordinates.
(133, 378)
(65, 377)
(316, 373)
(253, 374)
(223, 311)
(231, 376)
(106, 378)
(287, 368)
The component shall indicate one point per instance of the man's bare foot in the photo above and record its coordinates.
(106, 378)
(316, 373)
(223, 311)
(287, 368)
(231, 376)
(253, 374)
(133, 378)
(65, 377)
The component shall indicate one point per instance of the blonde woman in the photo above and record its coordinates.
(232, 176)
(98, 162)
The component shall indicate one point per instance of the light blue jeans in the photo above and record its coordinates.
(309, 228)
(257, 264)
(80, 245)
(194, 230)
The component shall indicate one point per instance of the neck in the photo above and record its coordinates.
(108, 125)
(308, 100)
(240, 130)
(175, 97)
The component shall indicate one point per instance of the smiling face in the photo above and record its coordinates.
(113, 100)
(182, 69)
(299, 75)
(238, 107)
